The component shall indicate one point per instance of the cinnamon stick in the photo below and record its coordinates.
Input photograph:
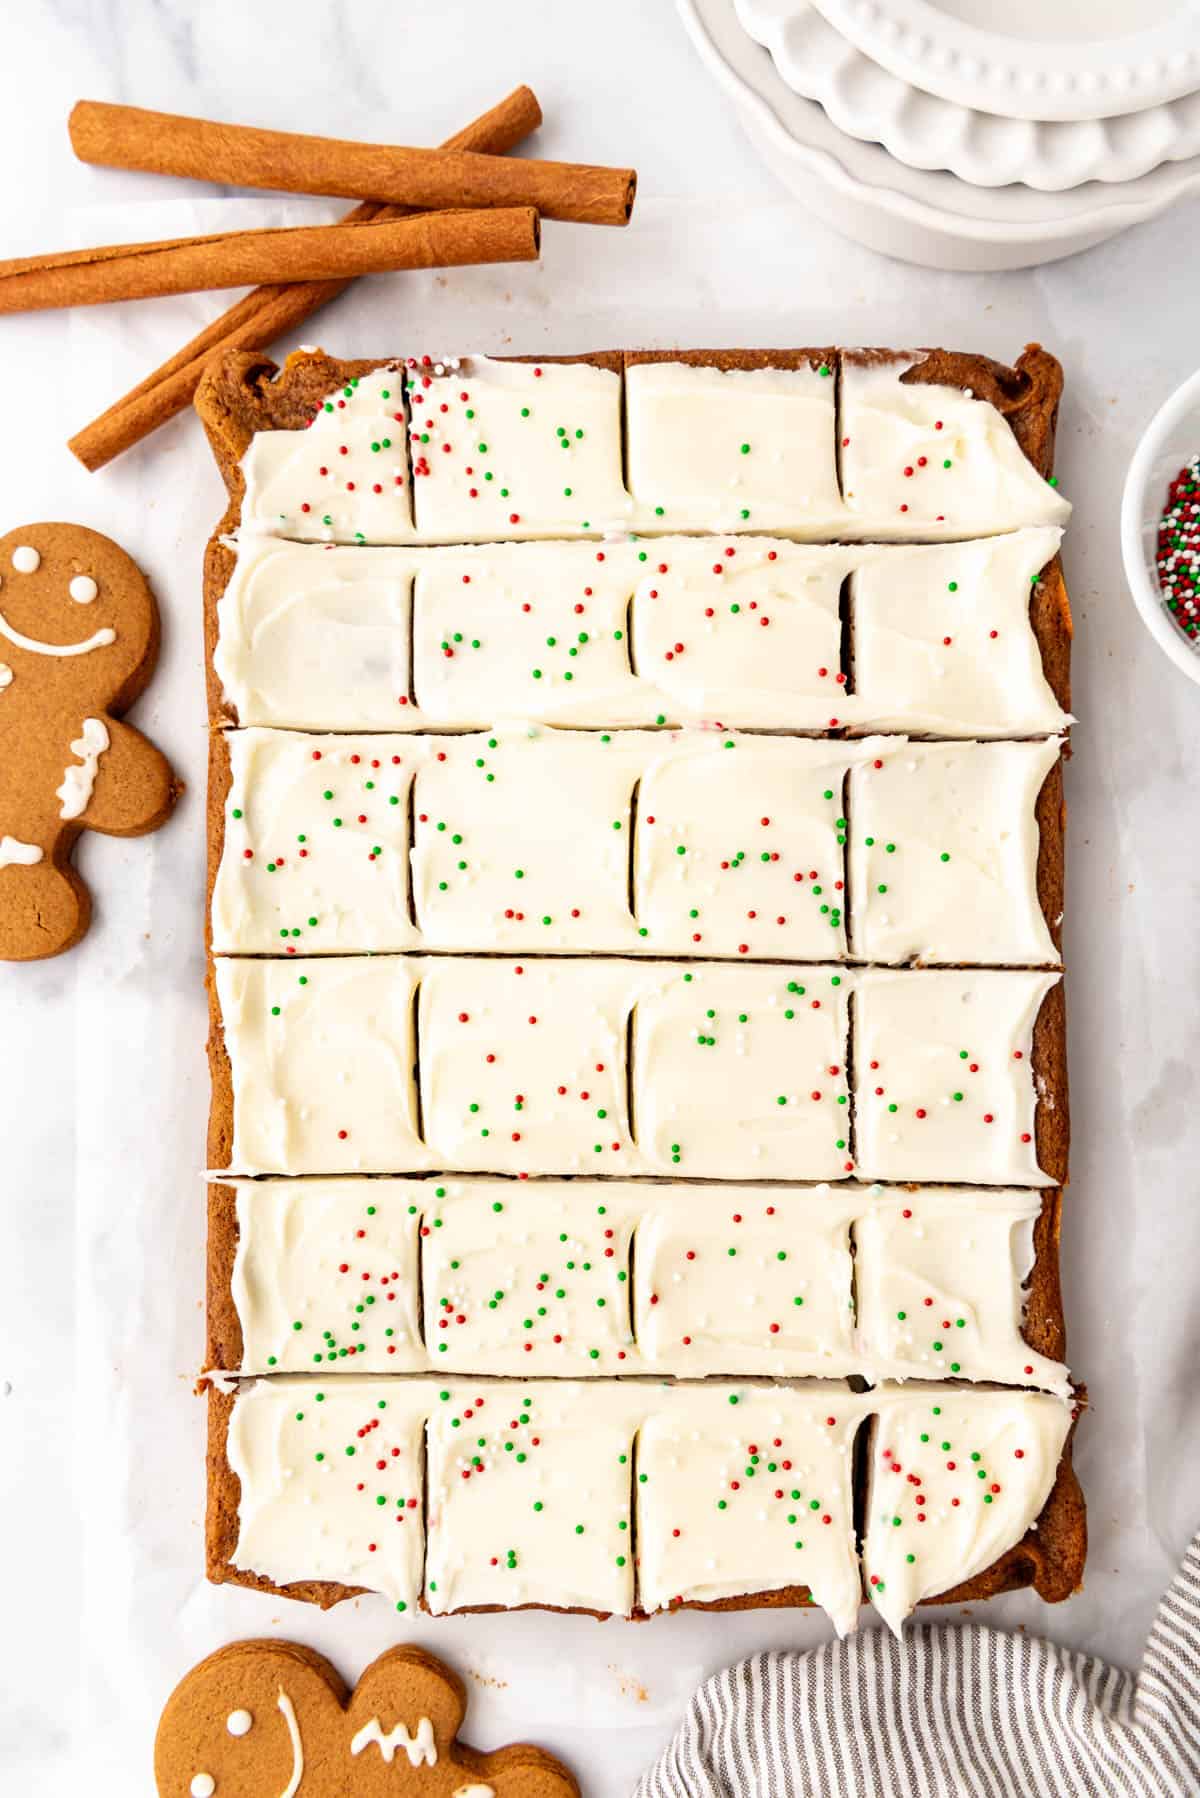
(164, 143)
(260, 318)
(240, 258)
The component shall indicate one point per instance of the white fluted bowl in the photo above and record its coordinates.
(1167, 444)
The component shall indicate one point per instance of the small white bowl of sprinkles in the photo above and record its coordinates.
(1160, 527)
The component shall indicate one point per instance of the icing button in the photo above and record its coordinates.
(25, 559)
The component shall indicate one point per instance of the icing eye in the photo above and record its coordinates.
(239, 1723)
(203, 1786)
(82, 589)
(25, 559)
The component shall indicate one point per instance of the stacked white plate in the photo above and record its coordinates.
(921, 128)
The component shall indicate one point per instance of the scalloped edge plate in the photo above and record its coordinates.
(913, 214)
(926, 132)
(1122, 66)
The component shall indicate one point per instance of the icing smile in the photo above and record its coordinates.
(98, 640)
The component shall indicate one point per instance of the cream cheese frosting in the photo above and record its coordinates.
(919, 459)
(331, 1482)
(528, 631)
(740, 1072)
(956, 1478)
(345, 477)
(316, 845)
(530, 1277)
(749, 1489)
(515, 449)
(523, 1064)
(321, 1055)
(745, 1280)
(524, 839)
(530, 1495)
(326, 1275)
(943, 644)
(711, 449)
(317, 637)
(940, 1277)
(739, 847)
(741, 630)
(944, 848)
(944, 1082)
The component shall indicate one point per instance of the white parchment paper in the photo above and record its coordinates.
(104, 1090)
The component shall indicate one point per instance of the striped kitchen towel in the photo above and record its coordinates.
(949, 1712)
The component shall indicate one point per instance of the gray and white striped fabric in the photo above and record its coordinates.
(946, 1712)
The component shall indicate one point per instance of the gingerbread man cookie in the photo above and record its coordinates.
(271, 1719)
(78, 642)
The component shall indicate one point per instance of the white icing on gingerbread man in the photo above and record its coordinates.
(421, 1748)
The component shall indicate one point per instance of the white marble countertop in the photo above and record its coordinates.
(101, 1231)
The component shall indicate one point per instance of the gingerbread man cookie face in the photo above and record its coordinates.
(274, 1720)
(78, 642)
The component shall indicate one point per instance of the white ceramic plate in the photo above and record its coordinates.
(927, 132)
(915, 214)
(1049, 59)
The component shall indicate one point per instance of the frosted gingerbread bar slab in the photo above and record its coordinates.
(960, 1076)
(587, 1278)
(961, 640)
(813, 444)
(632, 1497)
